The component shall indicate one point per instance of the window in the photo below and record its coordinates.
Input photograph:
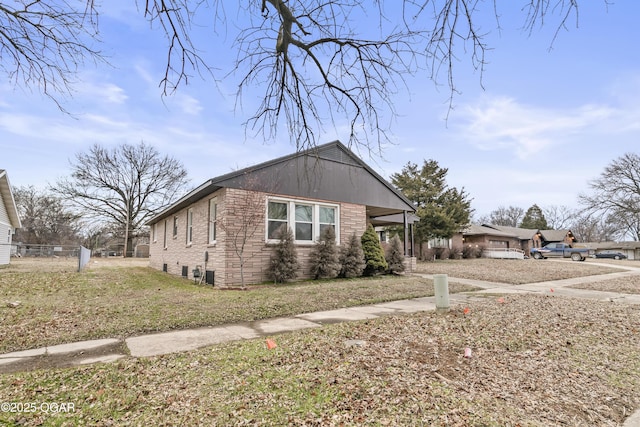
(189, 226)
(304, 223)
(327, 218)
(306, 220)
(276, 217)
(166, 228)
(154, 232)
(175, 226)
(213, 213)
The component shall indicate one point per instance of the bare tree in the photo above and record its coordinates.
(508, 217)
(124, 186)
(615, 195)
(593, 228)
(559, 217)
(45, 219)
(241, 217)
(315, 60)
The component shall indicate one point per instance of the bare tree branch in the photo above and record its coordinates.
(44, 43)
(125, 186)
(616, 195)
(316, 61)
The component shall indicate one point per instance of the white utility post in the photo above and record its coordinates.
(441, 289)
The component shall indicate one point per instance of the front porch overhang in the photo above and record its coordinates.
(380, 217)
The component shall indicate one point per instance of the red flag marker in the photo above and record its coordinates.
(271, 344)
(501, 300)
(466, 310)
(551, 289)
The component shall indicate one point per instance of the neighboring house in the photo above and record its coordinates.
(9, 219)
(503, 237)
(630, 249)
(543, 237)
(488, 236)
(328, 186)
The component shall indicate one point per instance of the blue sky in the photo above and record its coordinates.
(545, 121)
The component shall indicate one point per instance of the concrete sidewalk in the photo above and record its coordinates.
(111, 349)
(106, 350)
(190, 339)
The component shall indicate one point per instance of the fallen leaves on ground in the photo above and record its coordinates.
(536, 361)
(624, 285)
(111, 300)
(514, 271)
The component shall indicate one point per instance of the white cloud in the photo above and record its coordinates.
(188, 104)
(114, 94)
(501, 123)
(102, 92)
(142, 69)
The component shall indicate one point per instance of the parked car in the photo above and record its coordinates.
(611, 254)
(560, 250)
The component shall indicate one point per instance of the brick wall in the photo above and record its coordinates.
(232, 205)
(178, 252)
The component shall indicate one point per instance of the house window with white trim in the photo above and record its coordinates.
(189, 226)
(154, 232)
(307, 220)
(175, 226)
(213, 214)
(166, 228)
(276, 218)
(304, 223)
(327, 218)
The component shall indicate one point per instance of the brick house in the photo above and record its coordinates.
(503, 237)
(328, 186)
(9, 218)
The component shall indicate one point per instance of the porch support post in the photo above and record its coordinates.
(406, 232)
(413, 243)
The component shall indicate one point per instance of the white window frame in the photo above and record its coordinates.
(314, 219)
(291, 218)
(154, 232)
(213, 221)
(189, 226)
(166, 233)
(175, 226)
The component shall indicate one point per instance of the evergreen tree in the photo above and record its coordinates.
(352, 258)
(373, 252)
(534, 219)
(443, 210)
(284, 261)
(395, 255)
(325, 263)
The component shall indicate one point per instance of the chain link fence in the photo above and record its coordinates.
(44, 251)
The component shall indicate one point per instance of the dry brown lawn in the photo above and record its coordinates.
(116, 298)
(535, 361)
(515, 272)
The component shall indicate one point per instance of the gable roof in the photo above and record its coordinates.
(327, 172)
(6, 196)
(483, 229)
(555, 235)
(520, 233)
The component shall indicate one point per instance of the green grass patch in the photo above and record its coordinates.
(61, 306)
(409, 371)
